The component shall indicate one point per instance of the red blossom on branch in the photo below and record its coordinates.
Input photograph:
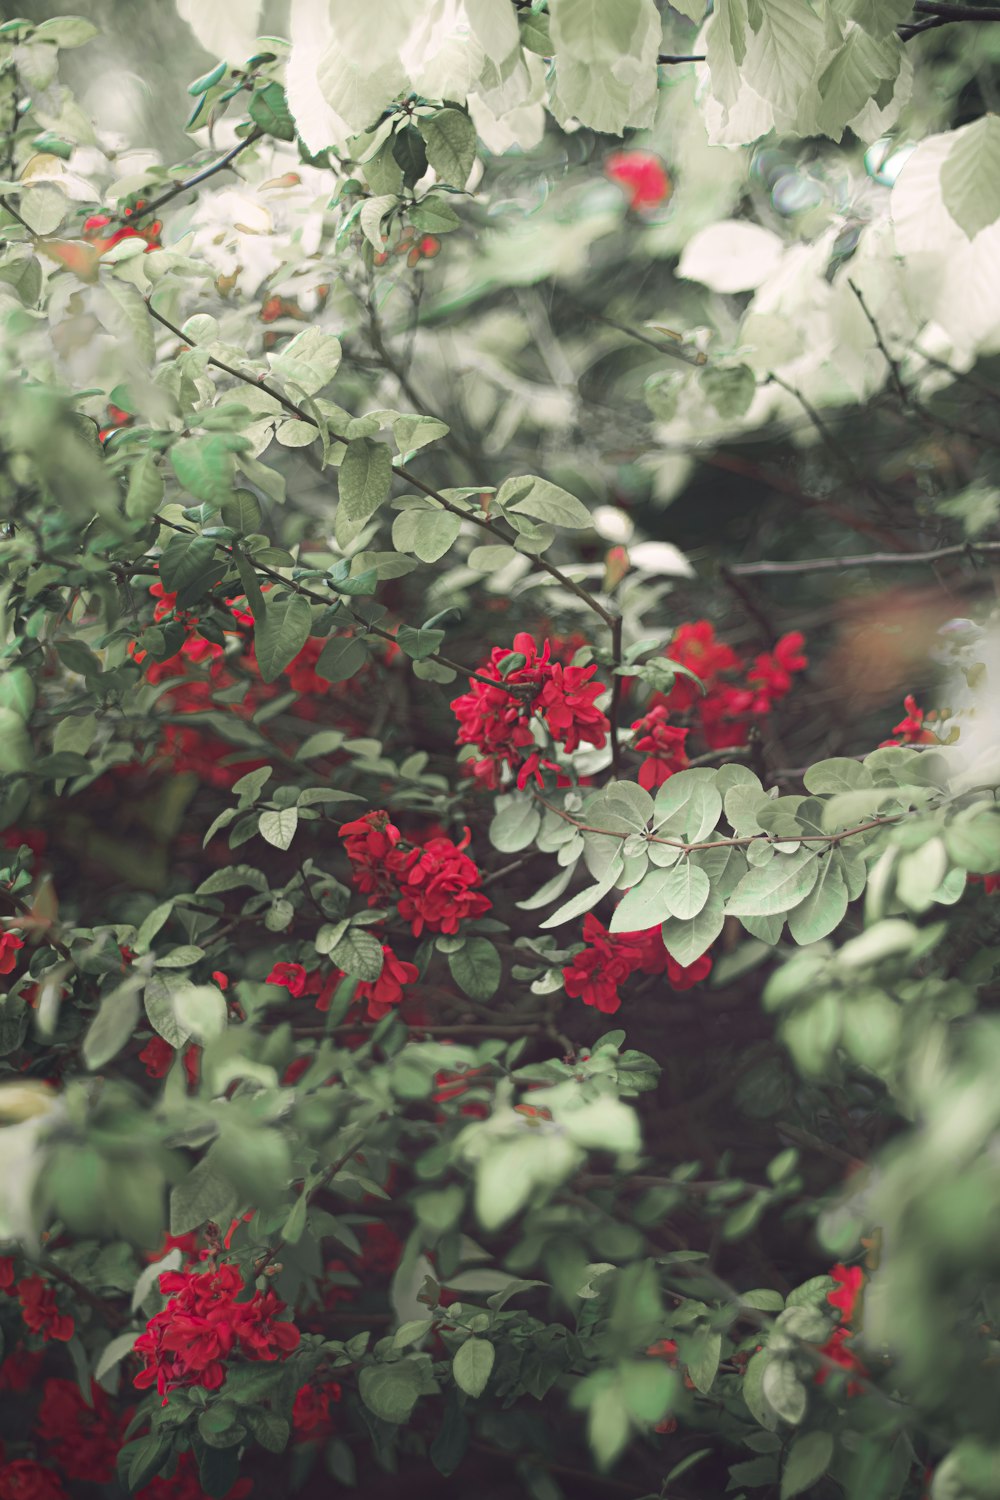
(641, 174)
(10, 944)
(203, 1325)
(40, 1310)
(499, 723)
(595, 974)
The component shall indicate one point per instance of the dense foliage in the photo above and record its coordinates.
(468, 530)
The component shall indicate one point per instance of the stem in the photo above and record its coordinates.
(617, 688)
(189, 182)
(869, 560)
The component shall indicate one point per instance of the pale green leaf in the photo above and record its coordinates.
(472, 1365)
(808, 1460)
(450, 138)
(476, 969)
(531, 496)
(970, 176)
(776, 887)
(364, 482)
(113, 1026)
(823, 909)
(310, 361)
(277, 826)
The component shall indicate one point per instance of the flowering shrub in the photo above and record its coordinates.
(458, 556)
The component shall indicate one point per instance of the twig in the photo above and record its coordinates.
(864, 560)
(199, 177)
(15, 215)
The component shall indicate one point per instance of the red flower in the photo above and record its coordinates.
(311, 1418)
(438, 891)
(847, 1295)
(40, 1312)
(371, 843)
(9, 945)
(291, 977)
(203, 1325)
(156, 1057)
(771, 673)
(25, 1480)
(498, 722)
(663, 745)
(84, 1439)
(20, 1369)
(836, 1349)
(912, 727)
(641, 174)
(594, 975)
(382, 1249)
(93, 226)
(381, 994)
(7, 1274)
(185, 1484)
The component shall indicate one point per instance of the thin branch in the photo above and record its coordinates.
(199, 177)
(617, 687)
(677, 351)
(15, 215)
(868, 560)
(833, 839)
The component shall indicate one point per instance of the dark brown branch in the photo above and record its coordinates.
(199, 177)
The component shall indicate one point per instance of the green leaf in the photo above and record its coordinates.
(782, 52)
(472, 1365)
(823, 909)
(390, 1391)
(808, 1460)
(776, 887)
(730, 388)
(535, 35)
(648, 1387)
(702, 1353)
(877, 17)
(857, 71)
(688, 804)
(66, 31)
(531, 496)
(680, 891)
(200, 1010)
(23, 274)
(686, 941)
(365, 479)
(309, 361)
(409, 154)
(434, 215)
(204, 465)
(839, 774)
(242, 512)
(281, 634)
(476, 968)
(428, 534)
(271, 1431)
(515, 824)
(359, 954)
(608, 1427)
(418, 644)
(587, 899)
(784, 1391)
(269, 109)
(277, 826)
(145, 489)
(970, 176)
(373, 211)
(190, 563)
(113, 1026)
(450, 138)
(203, 1195)
(341, 657)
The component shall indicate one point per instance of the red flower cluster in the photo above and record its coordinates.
(25, 1480)
(10, 944)
(201, 670)
(594, 974)
(185, 1484)
(663, 746)
(157, 1058)
(911, 729)
(311, 1417)
(497, 720)
(40, 1312)
(722, 710)
(845, 1299)
(434, 883)
(203, 1325)
(84, 1440)
(378, 995)
(641, 174)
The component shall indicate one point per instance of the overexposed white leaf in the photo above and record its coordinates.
(733, 256)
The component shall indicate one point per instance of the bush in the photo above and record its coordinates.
(419, 656)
